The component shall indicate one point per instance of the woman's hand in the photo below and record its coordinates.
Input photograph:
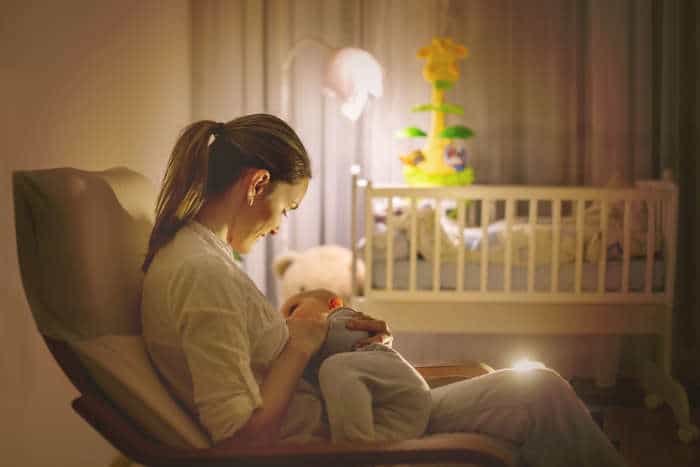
(308, 325)
(379, 332)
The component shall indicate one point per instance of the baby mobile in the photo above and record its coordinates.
(443, 158)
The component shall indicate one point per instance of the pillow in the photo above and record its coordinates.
(120, 366)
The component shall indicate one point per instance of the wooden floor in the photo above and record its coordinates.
(649, 438)
(645, 437)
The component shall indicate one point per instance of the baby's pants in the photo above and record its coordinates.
(537, 410)
(374, 395)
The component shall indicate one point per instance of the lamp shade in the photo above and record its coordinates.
(352, 75)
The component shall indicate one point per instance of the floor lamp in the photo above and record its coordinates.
(351, 76)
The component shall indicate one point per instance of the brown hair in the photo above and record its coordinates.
(198, 170)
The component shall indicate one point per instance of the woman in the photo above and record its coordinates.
(235, 363)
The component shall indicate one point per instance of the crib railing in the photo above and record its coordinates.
(659, 198)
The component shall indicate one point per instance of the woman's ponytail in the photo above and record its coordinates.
(184, 185)
(198, 170)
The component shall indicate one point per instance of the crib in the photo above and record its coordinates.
(519, 260)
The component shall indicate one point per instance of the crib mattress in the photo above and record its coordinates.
(543, 274)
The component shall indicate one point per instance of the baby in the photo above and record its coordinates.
(371, 393)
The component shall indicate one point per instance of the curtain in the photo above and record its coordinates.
(228, 77)
(557, 91)
(676, 101)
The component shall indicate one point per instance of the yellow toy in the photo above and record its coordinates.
(439, 162)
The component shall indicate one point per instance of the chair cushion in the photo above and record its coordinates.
(120, 366)
(81, 239)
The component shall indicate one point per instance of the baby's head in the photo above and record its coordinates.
(339, 337)
(322, 297)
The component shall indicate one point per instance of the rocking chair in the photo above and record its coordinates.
(81, 237)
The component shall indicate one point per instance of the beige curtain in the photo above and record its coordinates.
(557, 91)
(228, 76)
(676, 102)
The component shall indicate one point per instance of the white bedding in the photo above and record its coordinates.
(520, 235)
(543, 273)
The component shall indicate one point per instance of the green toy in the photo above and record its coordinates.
(440, 162)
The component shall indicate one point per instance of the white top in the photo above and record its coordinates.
(212, 334)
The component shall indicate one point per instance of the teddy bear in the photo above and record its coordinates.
(321, 267)
(370, 393)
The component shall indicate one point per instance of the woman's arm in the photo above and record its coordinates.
(264, 424)
(305, 337)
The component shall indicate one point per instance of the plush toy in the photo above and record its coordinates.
(322, 267)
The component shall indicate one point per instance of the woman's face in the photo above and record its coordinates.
(265, 215)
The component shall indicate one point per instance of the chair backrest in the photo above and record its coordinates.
(81, 240)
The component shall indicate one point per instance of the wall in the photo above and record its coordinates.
(89, 85)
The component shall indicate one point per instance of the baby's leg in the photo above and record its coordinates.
(374, 395)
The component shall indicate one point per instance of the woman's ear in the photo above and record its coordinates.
(259, 180)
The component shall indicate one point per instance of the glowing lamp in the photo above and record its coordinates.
(527, 365)
(351, 76)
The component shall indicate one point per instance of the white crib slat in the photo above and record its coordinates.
(485, 208)
(670, 231)
(651, 247)
(471, 213)
(414, 246)
(579, 245)
(390, 244)
(460, 246)
(670, 247)
(556, 207)
(353, 231)
(532, 221)
(626, 247)
(508, 263)
(436, 249)
(602, 262)
(369, 231)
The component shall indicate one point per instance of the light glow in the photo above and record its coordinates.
(526, 365)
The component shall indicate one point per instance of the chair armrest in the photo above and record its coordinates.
(440, 374)
(463, 447)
